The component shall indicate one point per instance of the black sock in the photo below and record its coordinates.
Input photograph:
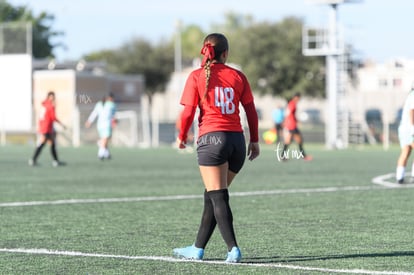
(224, 217)
(53, 151)
(302, 150)
(285, 154)
(208, 223)
(38, 151)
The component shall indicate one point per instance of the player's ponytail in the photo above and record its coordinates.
(214, 46)
(208, 52)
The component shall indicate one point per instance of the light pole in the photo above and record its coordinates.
(177, 50)
(329, 43)
(332, 80)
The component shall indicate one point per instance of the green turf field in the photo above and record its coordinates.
(125, 216)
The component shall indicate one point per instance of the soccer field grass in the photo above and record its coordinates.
(125, 216)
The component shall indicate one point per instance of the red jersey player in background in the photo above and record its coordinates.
(46, 130)
(217, 89)
(292, 130)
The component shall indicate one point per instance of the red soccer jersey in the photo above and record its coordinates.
(290, 120)
(219, 110)
(47, 117)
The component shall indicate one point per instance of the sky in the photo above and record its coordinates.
(379, 30)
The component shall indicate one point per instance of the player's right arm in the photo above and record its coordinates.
(92, 116)
(189, 100)
(187, 117)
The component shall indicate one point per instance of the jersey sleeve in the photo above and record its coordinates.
(113, 110)
(94, 114)
(410, 100)
(52, 113)
(190, 94)
(186, 119)
(288, 110)
(247, 95)
(252, 120)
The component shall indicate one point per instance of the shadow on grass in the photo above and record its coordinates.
(292, 259)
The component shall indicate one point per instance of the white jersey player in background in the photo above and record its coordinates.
(406, 137)
(105, 112)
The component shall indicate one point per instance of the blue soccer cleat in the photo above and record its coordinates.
(189, 253)
(234, 256)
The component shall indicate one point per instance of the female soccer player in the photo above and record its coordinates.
(406, 137)
(46, 130)
(292, 130)
(105, 112)
(278, 116)
(217, 89)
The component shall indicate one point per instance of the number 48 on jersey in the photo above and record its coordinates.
(223, 98)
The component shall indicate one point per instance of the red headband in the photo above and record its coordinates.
(208, 52)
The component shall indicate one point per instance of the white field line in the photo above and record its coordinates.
(388, 180)
(378, 180)
(186, 197)
(170, 259)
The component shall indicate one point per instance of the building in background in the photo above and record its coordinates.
(15, 79)
(77, 92)
(373, 101)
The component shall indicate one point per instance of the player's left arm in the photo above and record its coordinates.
(53, 117)
(253, 149)
(410, 105)
(114, 120)
(412, 121)
(247, 100)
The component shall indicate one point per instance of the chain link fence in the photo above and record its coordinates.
(16, 38)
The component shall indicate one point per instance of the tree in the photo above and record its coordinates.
(192, 35)
(138, 56)
(42, 32)
(271, 56)
(191, 42)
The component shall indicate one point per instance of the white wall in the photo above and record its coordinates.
(15, 92)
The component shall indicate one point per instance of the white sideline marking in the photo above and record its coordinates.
(101, 200)
(384, 180)
(379, 180)
(186, 197)
(171, 259)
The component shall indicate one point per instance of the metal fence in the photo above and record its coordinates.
(16, 38)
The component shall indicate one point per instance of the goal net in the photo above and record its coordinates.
(131, 130)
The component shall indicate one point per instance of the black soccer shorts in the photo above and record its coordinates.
(216, 148)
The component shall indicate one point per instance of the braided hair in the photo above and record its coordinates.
(214, 46)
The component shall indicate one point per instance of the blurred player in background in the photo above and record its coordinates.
(46, 130)
(278, 116)
(217, 89)
(105, 112)
(406, 137)
(291, 128)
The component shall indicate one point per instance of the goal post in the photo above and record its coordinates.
(130, 130)
(126, 129)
